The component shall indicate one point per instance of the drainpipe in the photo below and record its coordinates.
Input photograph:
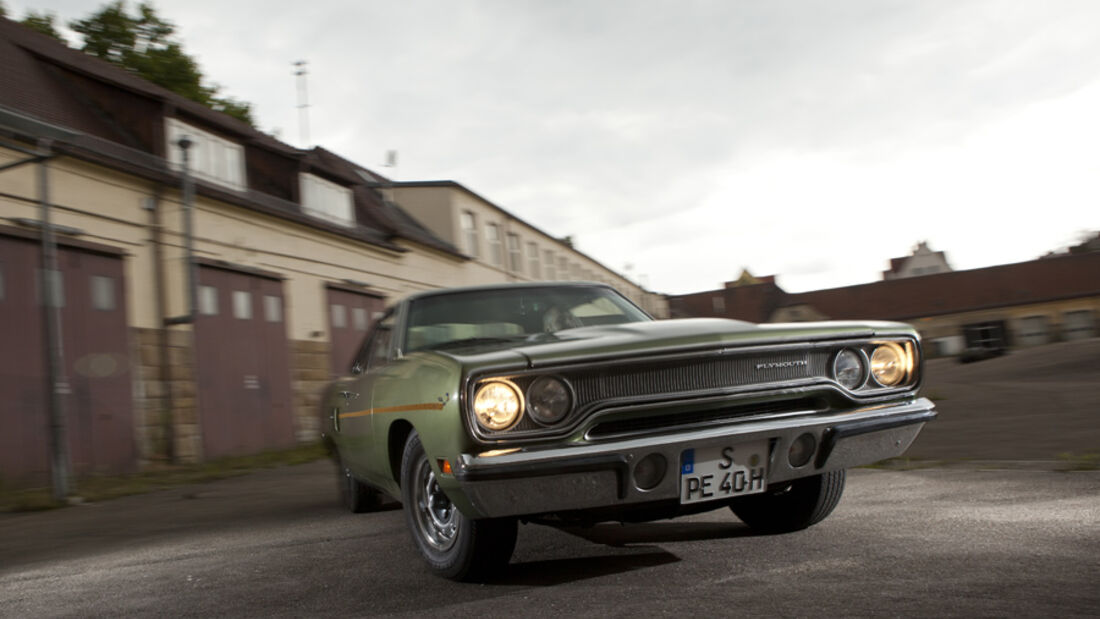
(188, 190)
(57, 385)
(189, 238)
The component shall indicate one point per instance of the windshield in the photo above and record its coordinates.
(512, 314)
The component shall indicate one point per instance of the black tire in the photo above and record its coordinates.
(454, 546)
(794, 506)
(356, 496)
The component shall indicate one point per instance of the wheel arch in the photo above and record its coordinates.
(395, 446)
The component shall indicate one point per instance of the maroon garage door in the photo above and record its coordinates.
(243, 363)
(98, 404)
(350, 314)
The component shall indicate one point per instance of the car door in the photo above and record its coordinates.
(352, 423)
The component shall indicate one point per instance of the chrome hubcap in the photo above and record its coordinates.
(436, 516)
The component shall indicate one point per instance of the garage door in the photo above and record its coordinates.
(243, 361)
(350, 314)
(98, 396)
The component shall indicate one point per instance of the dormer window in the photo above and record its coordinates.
(326, 200)
(211, 158)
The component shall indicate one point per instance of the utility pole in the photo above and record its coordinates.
(303, 102)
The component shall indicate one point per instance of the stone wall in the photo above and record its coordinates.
(163, 393)
(309, 372)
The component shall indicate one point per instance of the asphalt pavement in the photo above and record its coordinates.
(992, 529)
(929, 542)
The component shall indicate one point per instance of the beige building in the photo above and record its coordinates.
(921, 261)
(196, 332)
(1020, 305)
(502, 246)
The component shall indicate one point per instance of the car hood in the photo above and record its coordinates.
(660, 336)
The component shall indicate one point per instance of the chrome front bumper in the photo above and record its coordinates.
(600, 475)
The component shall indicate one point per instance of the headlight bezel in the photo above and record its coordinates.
(908, 361)
(529, 424)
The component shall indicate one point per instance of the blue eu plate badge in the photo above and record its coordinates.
(688, 462)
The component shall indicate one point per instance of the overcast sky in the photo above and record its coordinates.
(691, 139)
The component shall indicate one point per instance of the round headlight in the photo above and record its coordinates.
(549, 400)
(889, 364)
(848, 369)
(497, 405)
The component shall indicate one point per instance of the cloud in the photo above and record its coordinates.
(813, 140)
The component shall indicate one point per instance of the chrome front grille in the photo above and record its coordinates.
(696, 375)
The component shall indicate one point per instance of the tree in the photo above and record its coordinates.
(144, 44)
(43, 23)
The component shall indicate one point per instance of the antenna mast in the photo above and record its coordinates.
(303, 102)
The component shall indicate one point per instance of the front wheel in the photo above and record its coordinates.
(792, 506)
(454, 546)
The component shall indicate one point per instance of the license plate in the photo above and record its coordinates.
(723, 471)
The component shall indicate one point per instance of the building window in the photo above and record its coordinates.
(515, 255)
(359, 318)
(1033, 331)
(326, 200)
(339, 317)
(1078, 324)
(469, 234)
(103, 293)
(551, 272)
(563, 268)
(718, 304)
(496, 251)
(273, 308)
(210, 158)
(533, 260)
(208, 300)
(242, 305)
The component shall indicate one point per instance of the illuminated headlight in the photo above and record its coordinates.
(891, 364)
(497, 405)
(848, 369)
(549, 400)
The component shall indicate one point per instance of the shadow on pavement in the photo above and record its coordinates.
(562, 571)
(659, 532)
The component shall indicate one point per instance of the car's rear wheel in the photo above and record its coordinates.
(356, 496)
(454, 546)
(793, 506)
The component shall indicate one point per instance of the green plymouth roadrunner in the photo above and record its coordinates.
(566, 403)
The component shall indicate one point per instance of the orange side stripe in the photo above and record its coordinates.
(429, 406)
